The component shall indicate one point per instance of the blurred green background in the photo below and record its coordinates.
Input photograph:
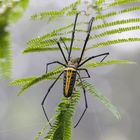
(22, 117)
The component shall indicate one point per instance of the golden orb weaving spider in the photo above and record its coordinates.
(72, 68)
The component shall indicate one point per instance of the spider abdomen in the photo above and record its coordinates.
(69, 81)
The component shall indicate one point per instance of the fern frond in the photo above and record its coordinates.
(54, 33)
(113, 13)
(99, 2)
(17, 10)
(62, 127)
(5, 55)
(41, 49)
(116, 31)
(22, 81)
(102, 99)
(106, 63)
(28, 82)
(43, 45)
(111, 42)
(46, 46)
(117, 22)
(10, 12)
(57, 13)
(120, 2)
(72, 12)
(131, 9)
(49, 35)
(99, 17)
(41, 132)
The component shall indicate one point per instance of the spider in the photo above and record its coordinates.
(72, 68)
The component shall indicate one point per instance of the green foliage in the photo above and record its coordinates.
(68, 11)
(62, 126)
(47, 43)
(5, 55)
(10, 11)
(114, 13)
(28, 82)
(106, 63)
(92, 91)
(116, 31)
(40, 45)
(117, 22)
(120, 2)
(116, 41)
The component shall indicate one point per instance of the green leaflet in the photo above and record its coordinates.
(62, 127)
(54, 14)
(58, 32)
(116, 41)
(37, 46)
(121, 2)
(5, 55)
(49, 35)
(91, 90)
(117, 22)
(42, 48)
(28, 82)
(116, 31)
(113, 13)
(18, 9)
(41, 132)
(106, 63)
(22, 81)
(10, 12)
(99, 2)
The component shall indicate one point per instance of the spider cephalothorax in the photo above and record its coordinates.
(73, 62)
(72, 68)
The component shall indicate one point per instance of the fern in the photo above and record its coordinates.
(117, 22)
(61, 12)
(99, 2)
(106, 63)
(37, 46)
(116, 41)
(62, 126)
(114, 13)
(116, 31)
(57, 32)
(102, 99)
(120, 2)
(5, 55)
(10, 12)
(28, 82)
(41, 132)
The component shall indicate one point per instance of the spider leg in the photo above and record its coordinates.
(92, 57)
(64, 44)
(104, 57)
(87, 38)
(54, 63)
(42, 104)
(84, 69)
(61, 51)
(86, 105)
(73, 34)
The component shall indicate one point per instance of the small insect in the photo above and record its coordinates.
(72, 68)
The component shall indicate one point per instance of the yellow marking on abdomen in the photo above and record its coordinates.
(68, 79)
